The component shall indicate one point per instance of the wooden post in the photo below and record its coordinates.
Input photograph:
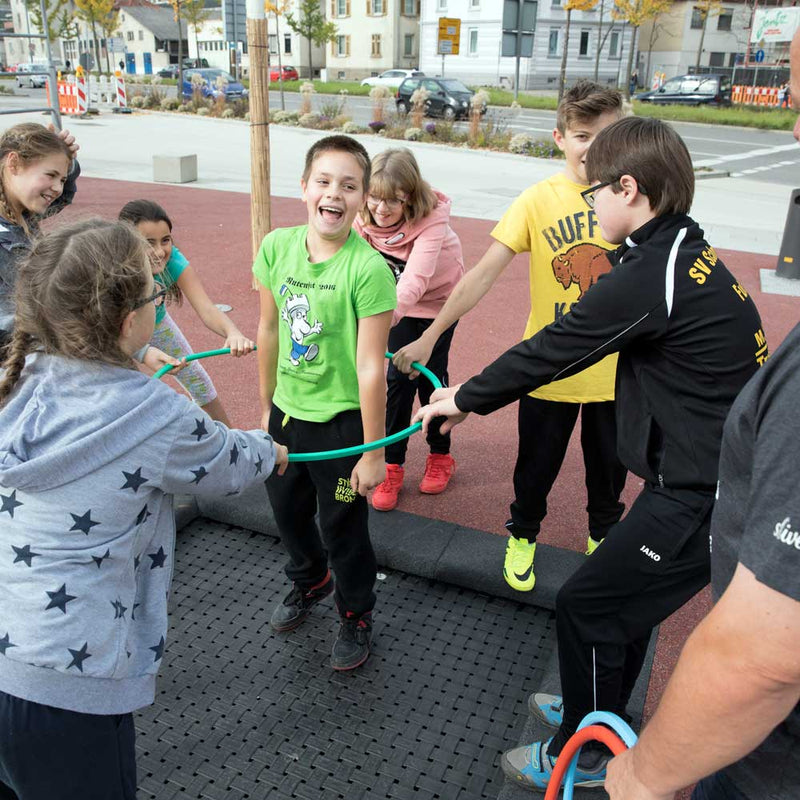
(258, 47)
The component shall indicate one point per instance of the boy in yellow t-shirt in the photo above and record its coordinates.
(550, 220)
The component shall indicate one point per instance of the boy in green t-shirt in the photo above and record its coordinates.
(550, 221)
(326, 307)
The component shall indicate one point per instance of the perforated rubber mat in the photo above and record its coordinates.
(242, 712)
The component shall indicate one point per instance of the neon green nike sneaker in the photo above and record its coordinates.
(592, 545)
(518, 567)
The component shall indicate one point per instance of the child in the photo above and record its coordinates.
(409, 223)
(689, 337)
(172, 271)
(91, 452)
(567, 254)
(38, 171)
(326, 303)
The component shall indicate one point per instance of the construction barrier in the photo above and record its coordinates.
(757, 96)
(71, 95)
(122, 97)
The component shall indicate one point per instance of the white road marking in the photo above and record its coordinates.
(760, 152)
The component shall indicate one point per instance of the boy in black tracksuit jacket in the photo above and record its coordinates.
(688, 337)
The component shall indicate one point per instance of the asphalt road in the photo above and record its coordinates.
(769, 156)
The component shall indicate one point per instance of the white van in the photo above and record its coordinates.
(31, 74)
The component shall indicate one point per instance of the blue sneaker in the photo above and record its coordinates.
(548, 708)
(530, 767)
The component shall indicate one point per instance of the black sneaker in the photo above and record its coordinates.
(297, 605)
(351, 648)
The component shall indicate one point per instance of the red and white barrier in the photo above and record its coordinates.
(122, 97)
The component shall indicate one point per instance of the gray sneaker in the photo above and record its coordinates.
(548, 708)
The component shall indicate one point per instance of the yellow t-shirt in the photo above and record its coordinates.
(552, 222)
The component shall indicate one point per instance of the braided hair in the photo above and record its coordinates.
(74, 291)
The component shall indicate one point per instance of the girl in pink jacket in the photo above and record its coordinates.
(409, 223)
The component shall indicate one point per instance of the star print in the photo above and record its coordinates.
(133, 610)
(5, 643)
(83, 523)
(100, 559)
(10, 502)
(199, 474)
(259, 464)
(59, 599)
(133, 480)
(200, 431)
(234, 455)
(24, 554)
(79, 656)
(119, 609)
(158, 649)
(158, 558)
(143, 515)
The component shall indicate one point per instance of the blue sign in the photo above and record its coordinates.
(759, 56)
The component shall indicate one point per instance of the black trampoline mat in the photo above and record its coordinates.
(243, 712)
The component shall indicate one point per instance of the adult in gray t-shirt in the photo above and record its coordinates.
(731, 707)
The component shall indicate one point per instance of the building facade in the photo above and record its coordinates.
(480, 60)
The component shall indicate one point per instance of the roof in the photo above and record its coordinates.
(159, 20)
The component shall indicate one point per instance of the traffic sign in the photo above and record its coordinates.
(449, 36)
(759, 56)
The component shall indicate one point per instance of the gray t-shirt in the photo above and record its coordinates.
(756, 523)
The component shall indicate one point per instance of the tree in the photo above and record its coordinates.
(109, 25)
(177, 14)
(569, 6)
(635, 12)
(59, 17)
(707, 8)
(196, 14)
(279, 8)
(655, 31)
(312, 26)
(92, 12)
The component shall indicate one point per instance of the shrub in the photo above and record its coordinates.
(351, 127)
(376, 126)
(203, 111)
(137, 101)
(170, 104)
(286, 116)
(309, 120)
(306, 90)
(185, 108)
(412, 134)
(228, 114)
(521, 143)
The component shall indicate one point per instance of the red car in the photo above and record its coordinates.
(289, 73)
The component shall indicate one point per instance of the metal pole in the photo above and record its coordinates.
(518, 51)
(51, 69)
(443, 65)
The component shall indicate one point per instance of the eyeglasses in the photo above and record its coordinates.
(392, 203)
(588, 194)
(157, 299)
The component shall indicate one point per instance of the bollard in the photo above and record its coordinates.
(789, 256)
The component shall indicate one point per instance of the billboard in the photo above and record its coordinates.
(774, 25)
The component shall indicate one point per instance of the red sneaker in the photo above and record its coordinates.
(385, 496)
(439, 469)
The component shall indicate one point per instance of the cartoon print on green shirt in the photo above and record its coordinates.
(295, 314)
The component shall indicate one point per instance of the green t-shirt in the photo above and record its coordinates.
(319, 306)
(176, 264)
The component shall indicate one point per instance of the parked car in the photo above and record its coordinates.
(289, 73)
(693, 90)
(170, 71)
(195, 63)
(33, 75)
(392, 77)
(233, 89)
(447, 97)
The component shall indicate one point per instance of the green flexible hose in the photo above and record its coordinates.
(343, 452)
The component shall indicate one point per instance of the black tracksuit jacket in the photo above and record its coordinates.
(688, 335)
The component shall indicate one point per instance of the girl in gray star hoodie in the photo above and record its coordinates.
(91, 453)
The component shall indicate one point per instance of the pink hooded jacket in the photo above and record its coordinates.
(426, 255)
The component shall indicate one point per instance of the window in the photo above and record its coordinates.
(130, 36)
(725, 19)
(376, 45)
(583, 49)
(716, 59)
(341, 47)
(474, 4)
(613, 44)
(441, 5)
(410, 8)
(697, 18)
(556, 3)
(342, 9)
(287, 43)
(473, 42)
(141, 35)
(408, 44)
(375, 8)
(273, 44)
(552, 42)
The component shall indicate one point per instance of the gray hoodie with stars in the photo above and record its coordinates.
(90, 457)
